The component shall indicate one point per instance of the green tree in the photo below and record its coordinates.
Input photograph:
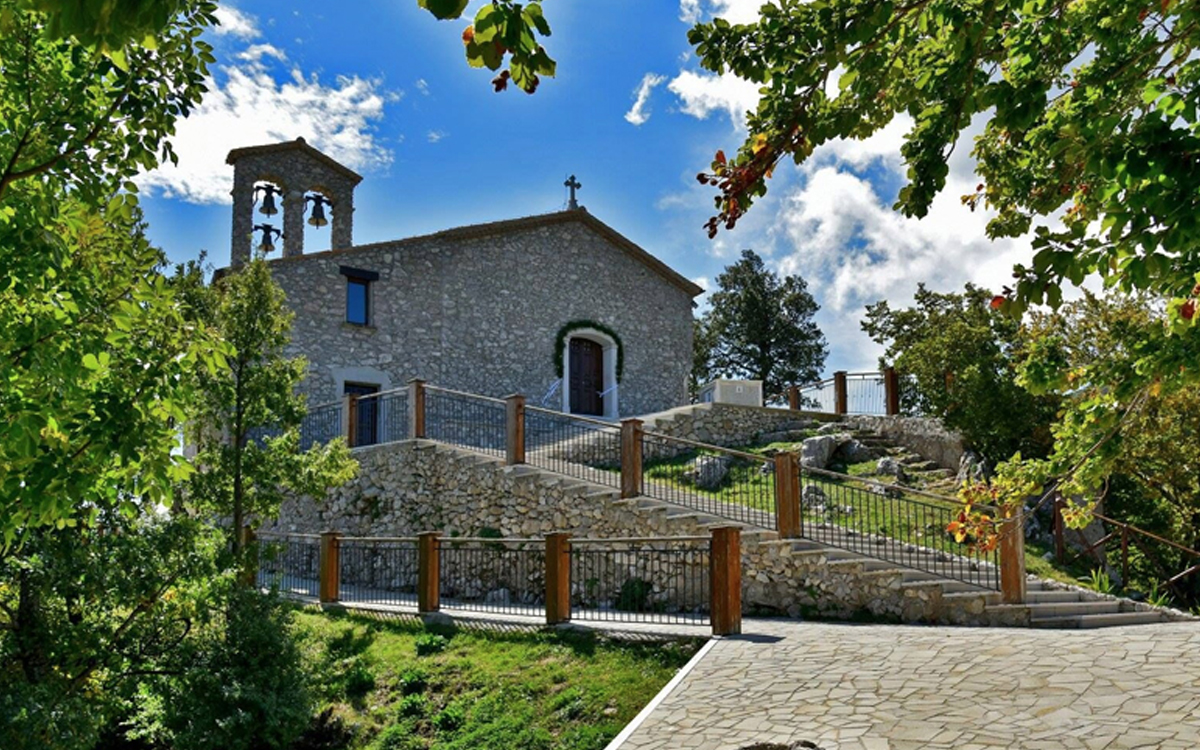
(246, 429)
(93, 344)
(961, 357)
(702, 352)
(761, 327)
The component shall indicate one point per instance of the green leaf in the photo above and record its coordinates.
(444, 9)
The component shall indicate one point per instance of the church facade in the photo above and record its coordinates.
(559, 307)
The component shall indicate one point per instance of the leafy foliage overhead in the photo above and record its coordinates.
(1091, 134)
(503, 31)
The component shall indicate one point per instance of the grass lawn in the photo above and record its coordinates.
(402, 685)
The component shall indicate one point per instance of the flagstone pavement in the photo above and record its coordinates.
(878, 687)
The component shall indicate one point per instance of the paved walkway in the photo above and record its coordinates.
(870, 687)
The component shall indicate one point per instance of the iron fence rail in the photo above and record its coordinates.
(664, 580)
(579, 447)
(378, 570)
(321, 424)
(466, 420)
(500, 576)
(289, 562)
(710, 479)
(381, 417)
(892, 523)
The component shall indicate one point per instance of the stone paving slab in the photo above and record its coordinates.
(883, 687)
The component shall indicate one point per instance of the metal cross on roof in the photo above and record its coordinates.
(574, 185)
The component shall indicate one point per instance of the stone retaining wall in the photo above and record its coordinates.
(414, 486)
(728, 424)
(922, 435)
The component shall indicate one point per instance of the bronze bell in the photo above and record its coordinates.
(268, 231)
(268, 207)
(318, 211)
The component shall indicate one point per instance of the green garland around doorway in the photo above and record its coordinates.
(560, 344)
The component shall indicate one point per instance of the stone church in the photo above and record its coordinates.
(558, 306)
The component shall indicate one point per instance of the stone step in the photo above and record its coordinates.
(1051, 597)
(1099, 621)
(1047, 610)
(989, 597)
(920, 464)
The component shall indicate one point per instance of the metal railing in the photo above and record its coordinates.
(500, 576)
(289, 562)
(818, 396)
(321, 424)
(575, 446)
(641, 580)
(466, 420)
(714, 480)
(866, 393)
(380, 417)
(896, 524)
(378, 570)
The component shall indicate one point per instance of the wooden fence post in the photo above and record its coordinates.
(329, 575)
(558, 578)
(349, 424)
(1060, 542)
(793, 398)
(725, 575)
(514, 429)
(841, 398)
(1012, 557)
(416, 408)
(631, 457)
(787, 495)
(891, 390)
(429, 593)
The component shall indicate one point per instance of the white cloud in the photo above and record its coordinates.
(256, 52)
(705, 93)
(639, 113)
(734, 11)
(422, 86)
(702, 282)
(251, 106)
(233, 22)
(433, 136)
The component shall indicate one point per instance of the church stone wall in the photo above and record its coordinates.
(480, 314)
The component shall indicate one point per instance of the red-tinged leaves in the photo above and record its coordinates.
(997, 302)
(468, 34)
(1188, 310)
(720, 157)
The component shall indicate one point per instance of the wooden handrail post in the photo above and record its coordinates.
(725, 576)
(631, 457)
(787, 495)
(429, 572)
(416, 408)
(891, 391)
(1125, 555)
(249, 556)
(514, 422)
(329, 577)
(349, 418)
(558, 578)
(1012, 557)
(793, 398)
(841, 398)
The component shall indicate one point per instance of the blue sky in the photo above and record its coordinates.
(386, 90)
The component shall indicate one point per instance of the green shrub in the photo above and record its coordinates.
(402, 736)
(450, 718)
(412, 706)
(635, 595)
(431, 643)
(413, 680)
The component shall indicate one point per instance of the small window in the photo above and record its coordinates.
(358, 301)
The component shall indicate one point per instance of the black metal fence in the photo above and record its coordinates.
(289, 562)
(466, 420)
(501, 576)
(891, 523)
(666, 580)
(321, 424)
(579, 447)
(378, 570)
(717, 481)
(381, 417)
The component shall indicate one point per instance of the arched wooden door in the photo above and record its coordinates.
(587, 377)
